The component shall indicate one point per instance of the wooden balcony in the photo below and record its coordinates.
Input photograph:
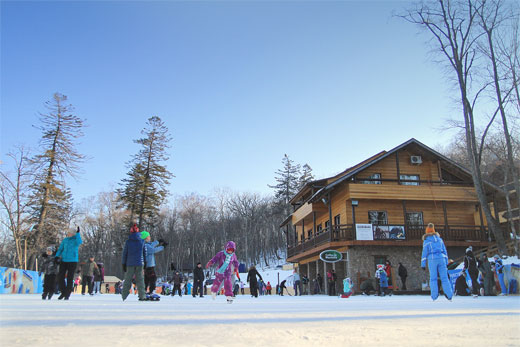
(346, 235)
(402, 192)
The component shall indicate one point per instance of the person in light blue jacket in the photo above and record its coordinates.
(499, 269)
(435, 252)
(67, 256)
(150, 277)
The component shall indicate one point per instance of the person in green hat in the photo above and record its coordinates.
(157, 246)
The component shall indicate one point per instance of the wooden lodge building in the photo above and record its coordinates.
(378, 209)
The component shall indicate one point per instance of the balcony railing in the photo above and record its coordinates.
(347, 232)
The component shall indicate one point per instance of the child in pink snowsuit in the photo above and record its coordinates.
(227, 264)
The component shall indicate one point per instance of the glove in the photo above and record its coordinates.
(58, 260)
(78, 230)
(124, 267)
(422, 267)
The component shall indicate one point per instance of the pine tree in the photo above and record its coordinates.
(145, 187)
(287, 180)
(51, 200)
(306, 176)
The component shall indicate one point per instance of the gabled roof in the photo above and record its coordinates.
(351, 172)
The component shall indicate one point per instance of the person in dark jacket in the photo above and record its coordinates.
(253, 282)
(484, 267)
(282, 287)
(133, 261)
(177, 281)
(461, 287)
(319, 280)
(50, 269)
(99, 278)
(434, 251)
(367, 286)
(403, 273)
(67, 256)
(198, 280)
(88, 271)
(470, 265)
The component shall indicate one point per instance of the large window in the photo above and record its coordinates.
(414, 218)
(377, 217)
(409, 178)
(373, 179)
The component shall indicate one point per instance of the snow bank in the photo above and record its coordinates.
(104, 320)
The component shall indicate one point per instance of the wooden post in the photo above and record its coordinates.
(314, 227)
(404, 218)
(330, 216)
(353, 215)
(303, 230)
(397, 166)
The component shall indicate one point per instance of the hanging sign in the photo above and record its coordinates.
(364, 232)
(330, 256)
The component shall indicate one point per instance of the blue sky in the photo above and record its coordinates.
(239, 84)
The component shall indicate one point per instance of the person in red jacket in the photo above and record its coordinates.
(388, 270)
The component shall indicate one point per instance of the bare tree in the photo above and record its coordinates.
(453, 25)
(14, 198)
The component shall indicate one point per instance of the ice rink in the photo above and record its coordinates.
(105, 320)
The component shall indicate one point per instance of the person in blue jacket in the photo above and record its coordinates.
(383, 280)
(133, 260)
(150, 277)
(499, 269)
(435, 252)
(67, 256)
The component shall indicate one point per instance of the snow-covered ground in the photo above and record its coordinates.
(105, 320)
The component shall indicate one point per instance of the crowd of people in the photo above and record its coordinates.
(138, 264)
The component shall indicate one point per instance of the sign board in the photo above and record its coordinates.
(330, 256)
(364, 232)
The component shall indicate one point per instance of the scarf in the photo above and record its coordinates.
(226, 263)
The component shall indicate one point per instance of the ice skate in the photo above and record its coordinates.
(229, 299)
(213, 295)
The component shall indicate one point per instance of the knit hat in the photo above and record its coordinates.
(134, 229)
(496, 256)
(50, 248)
(430, 229)
(144, 234)
(469, 249)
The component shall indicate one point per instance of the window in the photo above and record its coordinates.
(326, 224)
(409, 178)
(377, 217)
(296, 236)
(319, 228)
(337, 220)
(309, 233)
(373, 179)
(414, 218)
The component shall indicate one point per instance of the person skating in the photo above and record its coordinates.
(253, 282)
(88, 271)
(99, 278)
(282, 287)
(461, 286)
(484, 267)
(198, 280)
(297, 283)
(435, 253)
(227, 264)
(133, 261)
(403, 273)
(470, 265)
(67, 255)
(150, 278)
(383, 280)
(177, 281)
(49, 268)
(499, 269)
(348, 288)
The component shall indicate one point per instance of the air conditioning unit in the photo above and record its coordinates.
(416, 159)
